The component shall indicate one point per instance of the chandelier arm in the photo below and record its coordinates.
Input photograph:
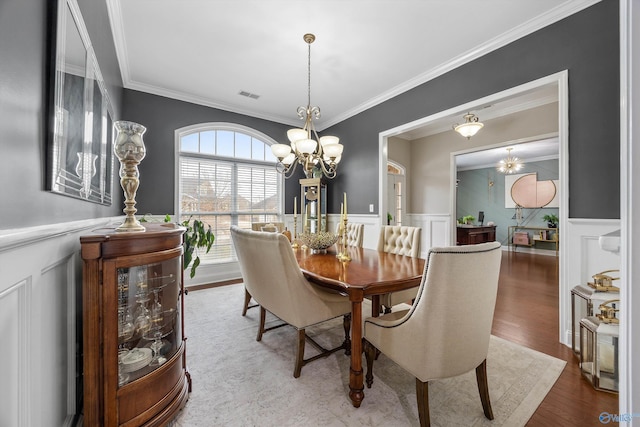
(288, 172)
(329, 173)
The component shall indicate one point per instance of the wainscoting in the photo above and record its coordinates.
(40, 304)
(580, 258)
(40, 324)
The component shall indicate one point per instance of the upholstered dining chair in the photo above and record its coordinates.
(268, 226)
(271, 227)
(354, 234)
(272, 276)
(446, 331)
(400, 240)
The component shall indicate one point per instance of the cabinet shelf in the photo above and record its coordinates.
(516, 231)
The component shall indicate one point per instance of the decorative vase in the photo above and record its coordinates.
(130, 150)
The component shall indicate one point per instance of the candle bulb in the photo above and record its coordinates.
(345, 204)
(295, 206)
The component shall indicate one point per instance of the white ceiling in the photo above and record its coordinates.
(366, 51)
(527, 152)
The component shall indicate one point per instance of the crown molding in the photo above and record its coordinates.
(560, 12)
(523, 30)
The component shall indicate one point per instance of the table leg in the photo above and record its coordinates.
(356, 384)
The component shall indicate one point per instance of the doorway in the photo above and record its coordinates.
(396, 200)
(441, 180)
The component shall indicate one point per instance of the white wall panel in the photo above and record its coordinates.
(579, 243)
(40, 282)
(436, 230)
(14, 329)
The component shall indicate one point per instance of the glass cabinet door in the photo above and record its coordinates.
(149, 329)
(314, 205)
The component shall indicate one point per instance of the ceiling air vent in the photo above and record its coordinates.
(248, 94)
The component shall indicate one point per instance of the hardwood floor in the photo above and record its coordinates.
(527, 313)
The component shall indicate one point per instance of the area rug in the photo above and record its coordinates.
(238, 381)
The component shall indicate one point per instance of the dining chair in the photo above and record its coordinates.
(268, 226)
(271, 227)
(446, 331)
(399, 240)
(273, 277)
(354, 234)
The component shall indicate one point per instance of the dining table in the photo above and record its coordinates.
(368, 273)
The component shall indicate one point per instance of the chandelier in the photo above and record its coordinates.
(305, 147)
(470, 127)
(510, 164)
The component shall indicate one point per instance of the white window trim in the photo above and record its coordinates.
(211, 273)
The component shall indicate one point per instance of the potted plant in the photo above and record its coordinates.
(467, 219)
(551, 219)
(196, 236)
(389, 218)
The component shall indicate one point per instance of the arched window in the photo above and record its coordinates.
(227, 176)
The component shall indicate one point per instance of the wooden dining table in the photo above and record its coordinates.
(369, 273)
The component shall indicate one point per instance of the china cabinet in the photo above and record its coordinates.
(314, 205)
(133, 334)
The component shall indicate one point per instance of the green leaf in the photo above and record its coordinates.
(196, 263)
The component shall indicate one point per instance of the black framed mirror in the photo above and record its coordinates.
(80, 116)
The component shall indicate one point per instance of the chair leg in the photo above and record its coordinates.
(422, 395)
(483, 388)
(263, 315)
(299, 353)
(247, 298)
(346, 323)
(370, 353)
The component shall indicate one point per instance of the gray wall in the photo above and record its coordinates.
(587, 44)
(24, 38)
(162, 116)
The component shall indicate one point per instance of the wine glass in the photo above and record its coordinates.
(143, 315)
(156, 334)
(156, 310)
(126, 327)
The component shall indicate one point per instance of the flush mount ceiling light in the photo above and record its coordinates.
(510, 164)
(305, 147)
(470, 127)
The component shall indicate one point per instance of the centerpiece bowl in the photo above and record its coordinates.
(318, 242)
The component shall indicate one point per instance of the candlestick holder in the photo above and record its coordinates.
(343, 255)
(130, 150)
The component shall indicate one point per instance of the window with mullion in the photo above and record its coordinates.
(226, 178)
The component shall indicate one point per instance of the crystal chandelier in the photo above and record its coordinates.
(306, 148)
(510, 164)
(470, 127)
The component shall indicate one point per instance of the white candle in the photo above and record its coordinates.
(345, 204)
(295, 206)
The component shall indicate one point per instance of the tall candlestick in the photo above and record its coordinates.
(345, 204)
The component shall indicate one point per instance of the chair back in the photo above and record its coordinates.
(354, 234)
(268, 226)
(400, 240)
(273, 277)
(449, 326)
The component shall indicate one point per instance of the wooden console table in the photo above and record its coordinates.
(473, 234)
(551, 235)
